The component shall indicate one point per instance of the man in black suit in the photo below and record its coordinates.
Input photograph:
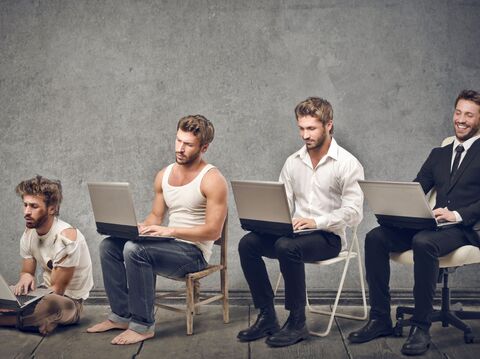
(454, 172)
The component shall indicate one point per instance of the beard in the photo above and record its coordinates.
(466, 136)
(31, 223)
(186, 160)
(318, 143)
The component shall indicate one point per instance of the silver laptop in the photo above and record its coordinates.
(400, 204)
(263, 207)
(8, 300)
(113, 209)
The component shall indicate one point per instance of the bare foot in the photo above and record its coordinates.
(131, 337)
(106, 326)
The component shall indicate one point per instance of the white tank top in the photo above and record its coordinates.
(187, 206)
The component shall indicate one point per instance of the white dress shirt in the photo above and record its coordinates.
(328, 193)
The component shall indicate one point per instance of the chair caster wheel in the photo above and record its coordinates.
(397, 330)
(468, 337)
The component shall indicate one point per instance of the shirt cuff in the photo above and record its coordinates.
(321, 222)
(458, 217)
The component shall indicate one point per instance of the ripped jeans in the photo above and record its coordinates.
(129, 273)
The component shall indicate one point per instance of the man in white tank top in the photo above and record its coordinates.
(62, 253)
(195, 195)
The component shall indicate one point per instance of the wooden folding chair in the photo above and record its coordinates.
(192, 286)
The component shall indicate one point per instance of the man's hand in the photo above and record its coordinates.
(25, 284)
(155, 230)
(444, 215)
(303, 223)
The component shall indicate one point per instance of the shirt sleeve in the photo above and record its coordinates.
(25, 250)
(285, 178)
(458, 217)
(350, 212)
(67, 252)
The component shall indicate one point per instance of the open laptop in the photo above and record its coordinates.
(263, 207)
(8, 300)
(400, 204)
(114, 213)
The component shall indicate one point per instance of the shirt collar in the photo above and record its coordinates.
(466, 144)
(302, 153)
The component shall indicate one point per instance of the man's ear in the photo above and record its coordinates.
(204, 148)
(329, 126)
(52, 210)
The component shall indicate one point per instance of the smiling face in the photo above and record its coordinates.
(313, 132)
(466, 120)
(188, 148)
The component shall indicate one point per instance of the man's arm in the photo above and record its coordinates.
(425, 175)
(287, 182)
(157, 213)
(61, 276)
(27, 277)
(350, 211)
(214, 188)
(426, 179)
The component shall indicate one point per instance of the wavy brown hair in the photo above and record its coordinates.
(50, 190)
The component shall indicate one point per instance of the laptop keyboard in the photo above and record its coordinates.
(22, 299)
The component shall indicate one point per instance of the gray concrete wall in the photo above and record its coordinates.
(92, 90)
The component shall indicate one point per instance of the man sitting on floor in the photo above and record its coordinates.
(62, 253)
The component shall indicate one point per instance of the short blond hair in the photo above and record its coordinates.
(316, 107)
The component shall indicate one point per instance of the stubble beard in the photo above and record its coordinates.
(187, 160)
(38, 223)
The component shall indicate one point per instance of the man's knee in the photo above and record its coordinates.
(107, 246)
(285, 247)
(422, 242)
(248, 244)
(375, 239)
(132, 250)
(50, 305)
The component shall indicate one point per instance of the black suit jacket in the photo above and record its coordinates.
(462, 192)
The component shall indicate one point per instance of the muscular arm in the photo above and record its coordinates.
(61, 276)
(157, 213)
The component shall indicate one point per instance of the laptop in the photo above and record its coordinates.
(263, 207)
(114, 213)
(8, 300)
(400, 204)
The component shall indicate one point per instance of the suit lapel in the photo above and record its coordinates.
(471, 154)
(446, 161)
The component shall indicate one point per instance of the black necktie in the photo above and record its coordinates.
(459, 149)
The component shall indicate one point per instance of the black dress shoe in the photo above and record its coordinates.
(265, 325)
(294, 330)
(417, 343)
(373, 329)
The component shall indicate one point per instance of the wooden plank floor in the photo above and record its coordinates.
(213, 339)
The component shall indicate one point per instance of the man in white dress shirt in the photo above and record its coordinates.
(321, 180)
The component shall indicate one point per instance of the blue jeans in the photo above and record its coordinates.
(129, 273)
